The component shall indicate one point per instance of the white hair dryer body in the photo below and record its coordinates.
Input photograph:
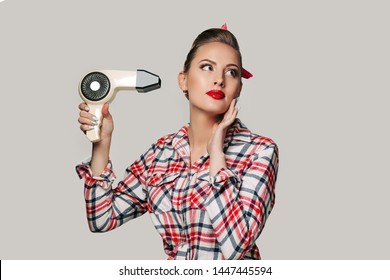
(100, 87)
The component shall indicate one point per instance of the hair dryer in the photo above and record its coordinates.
(99, 87)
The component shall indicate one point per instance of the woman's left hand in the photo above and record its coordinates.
(215, 144)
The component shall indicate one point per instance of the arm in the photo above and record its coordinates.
(215, 144)
(100, 150)
(109, 208)
(239, 207)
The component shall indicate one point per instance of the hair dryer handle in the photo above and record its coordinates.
(94, 134)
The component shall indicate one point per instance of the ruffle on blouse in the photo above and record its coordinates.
(104, 180)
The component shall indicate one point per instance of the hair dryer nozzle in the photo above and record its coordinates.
(147, 81)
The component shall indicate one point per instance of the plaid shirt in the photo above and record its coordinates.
(197, 216)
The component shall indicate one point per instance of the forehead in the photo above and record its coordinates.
(218, 52)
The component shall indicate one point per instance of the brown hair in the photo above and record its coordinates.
(209, 36)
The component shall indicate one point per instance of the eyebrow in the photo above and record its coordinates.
(214, 63)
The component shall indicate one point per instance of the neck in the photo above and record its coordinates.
(200, 130)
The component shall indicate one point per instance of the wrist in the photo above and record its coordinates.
(100, 155)
(217, 154)
(217, 162)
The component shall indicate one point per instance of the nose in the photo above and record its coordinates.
(219, 81)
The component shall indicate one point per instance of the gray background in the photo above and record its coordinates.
(320, 90)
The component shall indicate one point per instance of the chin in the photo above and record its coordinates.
(216, 109)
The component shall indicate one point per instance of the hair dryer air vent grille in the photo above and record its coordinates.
(95, 86)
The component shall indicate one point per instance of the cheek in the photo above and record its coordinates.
(196, 83)
(235, 89)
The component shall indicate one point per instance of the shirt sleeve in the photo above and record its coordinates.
(239, 207)
(107, 207)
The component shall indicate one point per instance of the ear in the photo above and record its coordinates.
(182, 81)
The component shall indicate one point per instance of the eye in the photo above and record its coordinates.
(232, 72)
(206, 67)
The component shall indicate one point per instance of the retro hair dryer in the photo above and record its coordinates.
(99, 87)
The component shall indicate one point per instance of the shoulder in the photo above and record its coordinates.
(263, 142)
(243, 134)
(247, 149)
(164, 140)
(172, 139)
(164, 147)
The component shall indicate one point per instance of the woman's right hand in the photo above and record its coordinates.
(88, 121)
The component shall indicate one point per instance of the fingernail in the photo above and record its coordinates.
(91, 127)
(94, 118)
(238, 108)
(94, 122)
(86, 108)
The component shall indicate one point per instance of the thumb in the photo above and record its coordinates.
(105, 112)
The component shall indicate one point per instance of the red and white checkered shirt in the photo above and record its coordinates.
(197, 216)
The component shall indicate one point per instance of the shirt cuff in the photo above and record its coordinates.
(225, 186)
(104, 180)
(224, 176)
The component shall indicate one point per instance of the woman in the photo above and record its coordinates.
(209, 187)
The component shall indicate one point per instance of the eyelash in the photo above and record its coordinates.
(202, 66)
(233, 72)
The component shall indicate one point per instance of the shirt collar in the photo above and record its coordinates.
(180, 139)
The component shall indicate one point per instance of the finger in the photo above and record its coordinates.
(230, 118)
(89, 116)
(87, 121)
(231, 108)
(232, 105)
(85, 114)
(85, 127)
(235, 113)
(84, 107)
(229, 112)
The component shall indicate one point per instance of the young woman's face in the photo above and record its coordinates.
(214, 78)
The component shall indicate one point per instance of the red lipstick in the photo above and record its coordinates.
(216, 94)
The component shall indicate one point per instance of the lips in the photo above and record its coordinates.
(216, 94)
